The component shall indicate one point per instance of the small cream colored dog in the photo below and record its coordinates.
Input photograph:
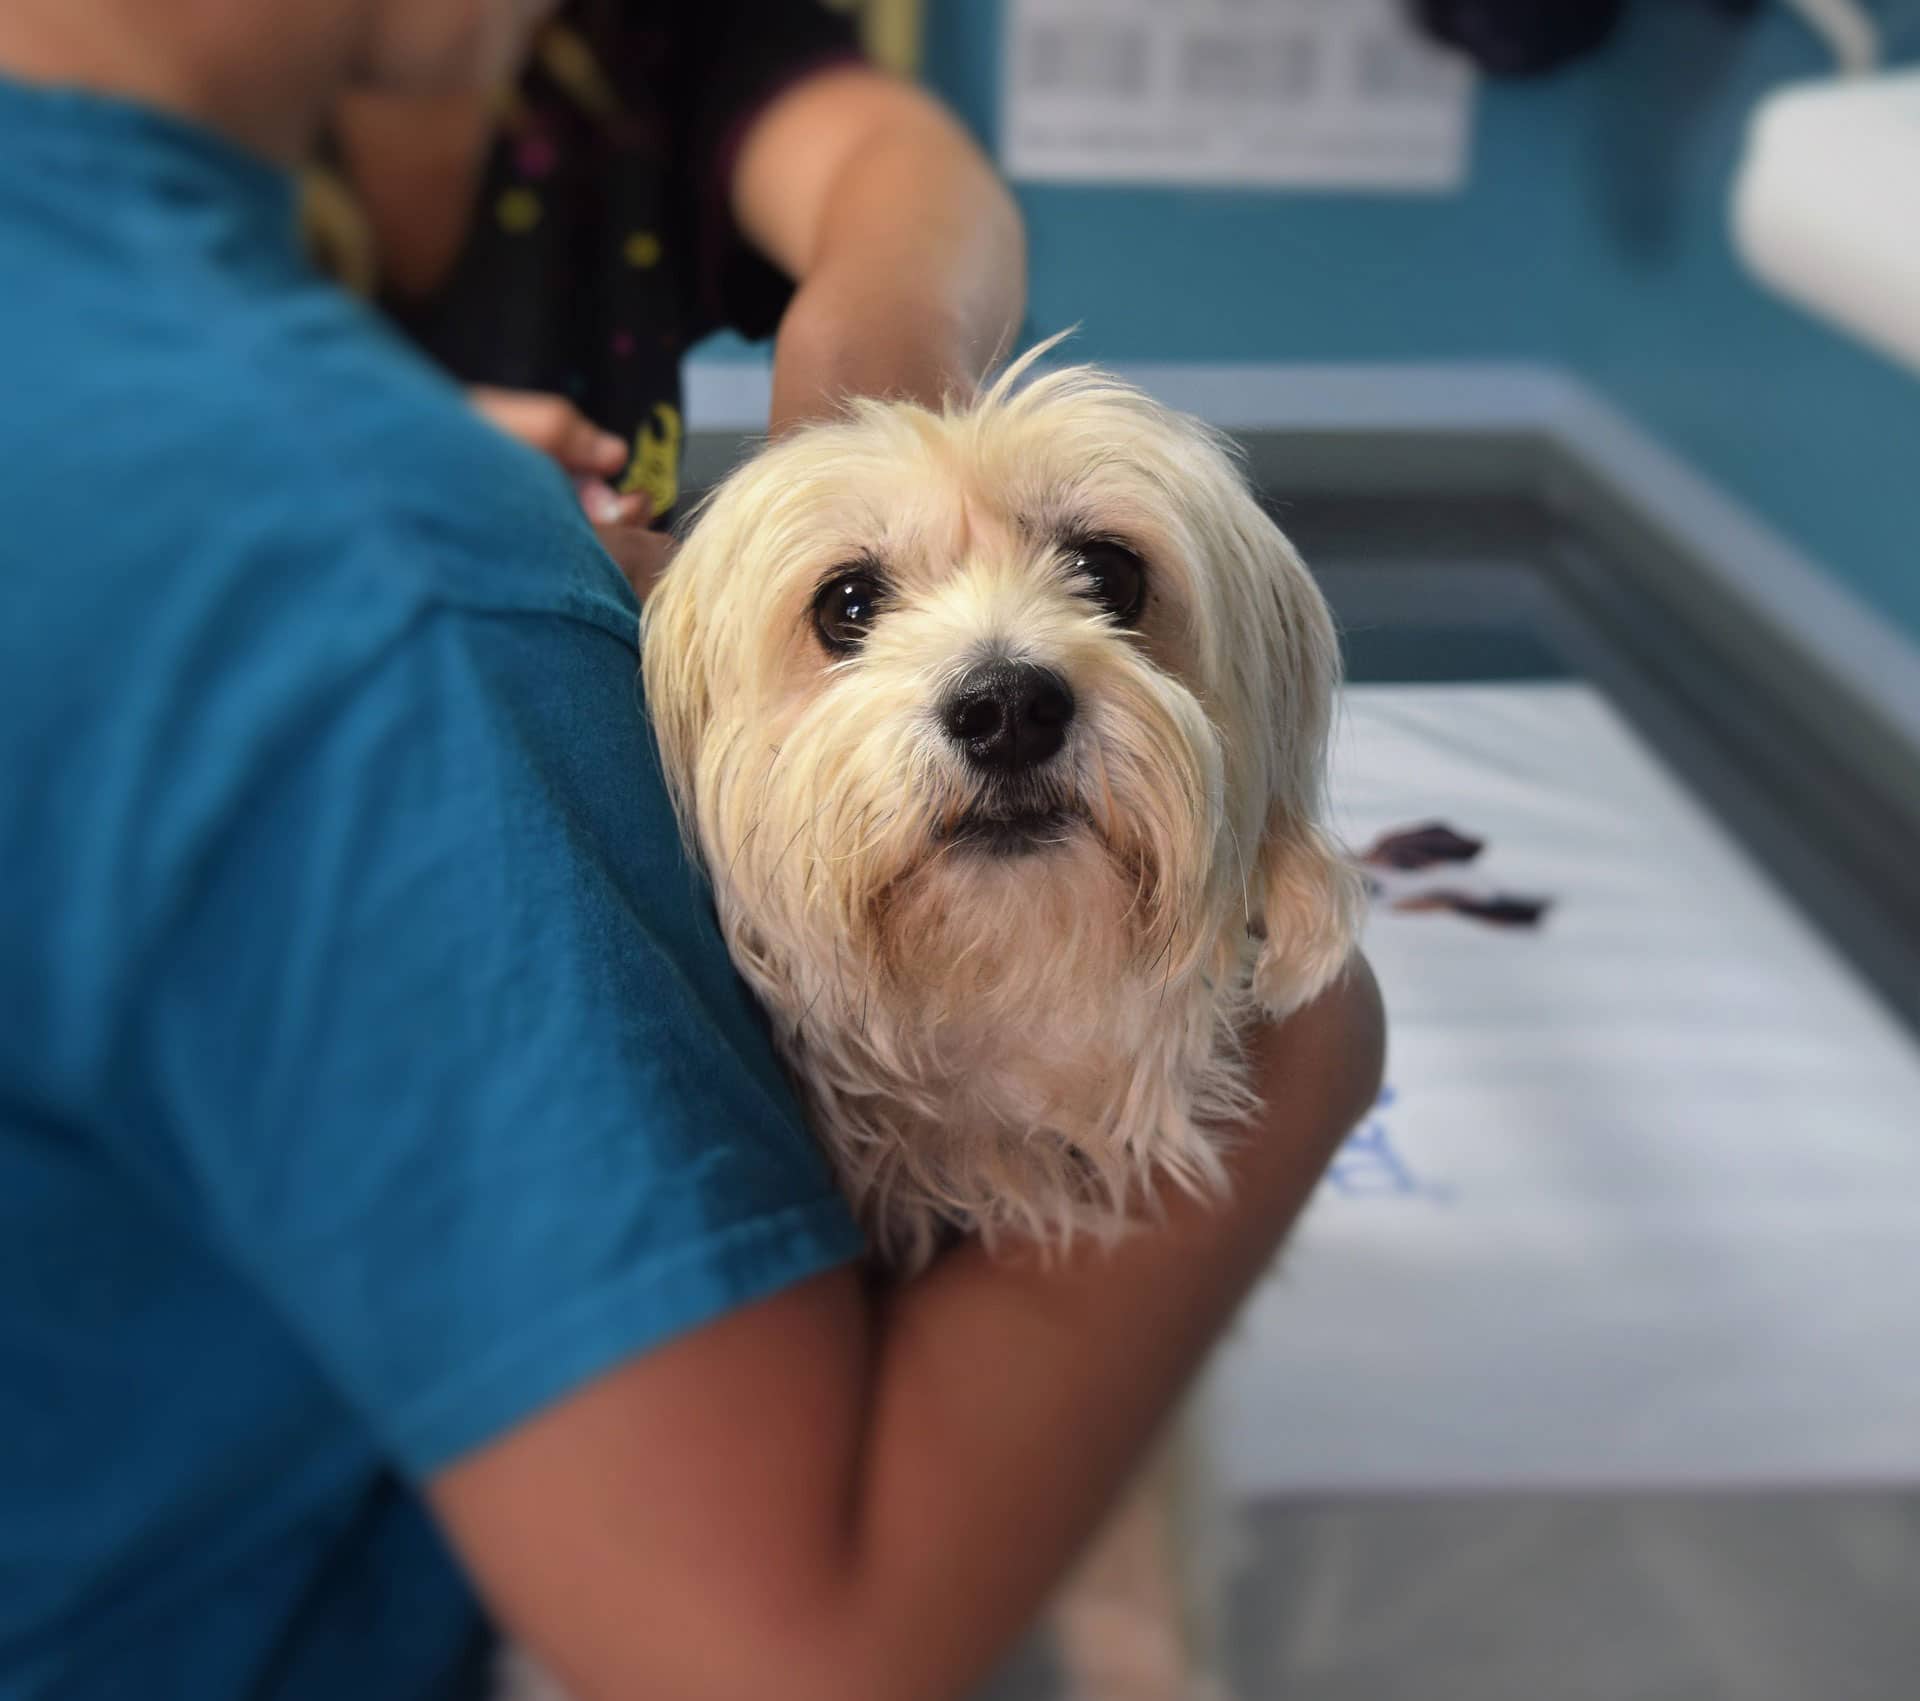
(1000, 732)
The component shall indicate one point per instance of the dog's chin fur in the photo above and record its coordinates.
(1010, 1006)
(1023, 1055)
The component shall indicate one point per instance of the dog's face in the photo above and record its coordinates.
(982, 715)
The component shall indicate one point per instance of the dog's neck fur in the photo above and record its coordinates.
(1014, 1055)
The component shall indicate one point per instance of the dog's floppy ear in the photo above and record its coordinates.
(676, 669)
(1307, 897)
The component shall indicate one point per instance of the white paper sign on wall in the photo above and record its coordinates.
(1323, 94)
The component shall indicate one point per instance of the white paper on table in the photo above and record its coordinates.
(1643, 1206)
(1325, 94)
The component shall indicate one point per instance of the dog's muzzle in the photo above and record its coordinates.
(1009, 720)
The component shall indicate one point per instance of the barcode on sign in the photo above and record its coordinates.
(1238, 67)
(1310, 93)
(1085, 57)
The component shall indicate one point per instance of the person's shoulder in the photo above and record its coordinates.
(391, 454)
(287, 433)
(235, 521)
(231, 491)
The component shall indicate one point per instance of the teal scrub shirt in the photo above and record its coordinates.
(371, 1070)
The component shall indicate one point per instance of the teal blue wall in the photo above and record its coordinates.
(1593, 233)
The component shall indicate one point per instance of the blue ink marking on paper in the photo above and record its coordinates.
(1370, 1166)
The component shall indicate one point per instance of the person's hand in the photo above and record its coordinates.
(589, 456)
(561, 432)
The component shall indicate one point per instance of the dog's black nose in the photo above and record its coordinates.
(1009, 715)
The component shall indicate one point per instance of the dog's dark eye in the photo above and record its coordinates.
(1115, 577)
(845, 608)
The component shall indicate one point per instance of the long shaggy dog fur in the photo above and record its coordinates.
(1016, 1046)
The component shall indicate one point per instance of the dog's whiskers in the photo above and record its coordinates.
(773, 873)
(747, 838)
(1246, 877)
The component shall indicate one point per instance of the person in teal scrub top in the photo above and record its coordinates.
(406, 1234)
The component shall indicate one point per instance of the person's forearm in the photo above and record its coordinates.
(1010, 1402)
(827, 1494)
(907, 250)
(918, 288)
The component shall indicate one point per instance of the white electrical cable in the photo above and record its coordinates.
(1848, 30)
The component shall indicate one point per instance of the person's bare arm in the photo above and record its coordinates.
(829, 1495)
(907, 249)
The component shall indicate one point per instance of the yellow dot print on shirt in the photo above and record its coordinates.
(641, 249)
(518, 210)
